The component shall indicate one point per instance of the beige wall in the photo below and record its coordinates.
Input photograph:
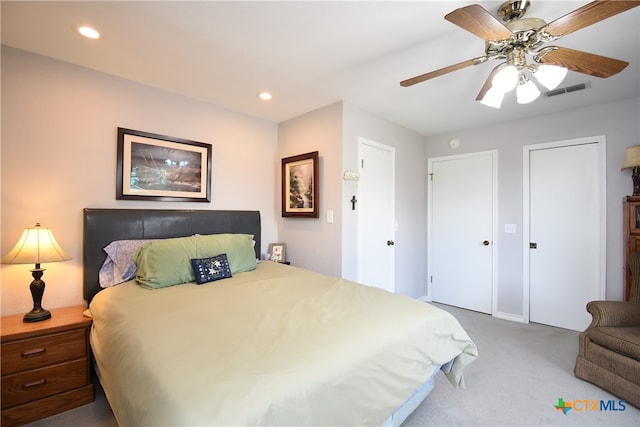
(332, 248)
(59, 156)
(410, 200)
(618, 122)
(312, 242)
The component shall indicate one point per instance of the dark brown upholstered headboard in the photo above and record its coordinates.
(102, 226)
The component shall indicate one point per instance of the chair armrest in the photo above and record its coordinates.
(614, 313)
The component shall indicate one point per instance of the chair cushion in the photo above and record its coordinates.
(623, 340)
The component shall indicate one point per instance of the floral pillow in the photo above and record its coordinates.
(119, 266)
(211, 269)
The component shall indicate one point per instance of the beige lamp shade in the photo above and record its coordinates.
(632, 158)
(36, 245)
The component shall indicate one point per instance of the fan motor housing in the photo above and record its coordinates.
(513, 9)
(525, 24)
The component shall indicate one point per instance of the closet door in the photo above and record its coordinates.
(462, 201)
(566, 233)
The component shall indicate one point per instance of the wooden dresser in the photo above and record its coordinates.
(45, 365)
(631, 237)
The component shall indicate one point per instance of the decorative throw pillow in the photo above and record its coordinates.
(167, 262)
(119, 266)
(211, 269)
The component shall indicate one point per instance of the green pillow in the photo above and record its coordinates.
(238, 247)
(167, 262)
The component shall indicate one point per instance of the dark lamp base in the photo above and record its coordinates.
(37, 290)
(635, 177)
(36, 315)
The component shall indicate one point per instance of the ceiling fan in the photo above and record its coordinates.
(519, 37)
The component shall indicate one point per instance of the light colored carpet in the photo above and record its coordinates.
(522, 371)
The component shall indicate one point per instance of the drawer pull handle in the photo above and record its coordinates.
(34, 352)
(34, 384)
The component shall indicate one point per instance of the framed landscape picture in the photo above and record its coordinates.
(158, 167)
(300, 194)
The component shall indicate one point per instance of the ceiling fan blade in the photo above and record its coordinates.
(478, 21)
(422, 77)
(487, 84)
(588, 14)
(584, 62)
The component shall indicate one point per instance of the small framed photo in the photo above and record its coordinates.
(164, 168)
(300, 194)
(277, 252)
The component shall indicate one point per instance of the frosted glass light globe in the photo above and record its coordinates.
(493, 98)
(505, 79)
(550, 76)
(527, 92)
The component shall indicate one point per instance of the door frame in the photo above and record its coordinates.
(494, 220)
(526, 220)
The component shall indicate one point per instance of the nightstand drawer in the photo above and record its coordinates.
(39, 383)
(22, 355)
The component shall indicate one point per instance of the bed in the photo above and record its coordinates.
(272, 344)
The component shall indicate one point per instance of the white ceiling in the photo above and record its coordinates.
(311, 54)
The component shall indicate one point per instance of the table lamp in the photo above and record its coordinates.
(36, 245)
(632, 161)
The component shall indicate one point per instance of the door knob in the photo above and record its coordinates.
(486, 243)
(390, 243)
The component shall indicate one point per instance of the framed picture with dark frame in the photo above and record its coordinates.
(162, 168)
(300, 194)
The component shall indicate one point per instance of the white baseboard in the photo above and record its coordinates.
(499, 315)
(510, 317)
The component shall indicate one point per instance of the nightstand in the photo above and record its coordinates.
(45, 365)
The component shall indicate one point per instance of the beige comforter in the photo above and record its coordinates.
(275, 346)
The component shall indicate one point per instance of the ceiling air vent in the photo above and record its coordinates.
(567, 89)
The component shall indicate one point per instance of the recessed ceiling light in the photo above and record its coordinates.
(89, 32)
(265, 96)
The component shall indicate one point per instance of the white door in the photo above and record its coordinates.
(566, 232)
(376, 219)
(462, 202)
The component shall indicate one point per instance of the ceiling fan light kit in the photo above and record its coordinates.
(509, 77)
(527, 92)
(506, 78)
(520, 37)
(550, 76)
(493, 98)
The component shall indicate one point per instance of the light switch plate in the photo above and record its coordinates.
(330, 217)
